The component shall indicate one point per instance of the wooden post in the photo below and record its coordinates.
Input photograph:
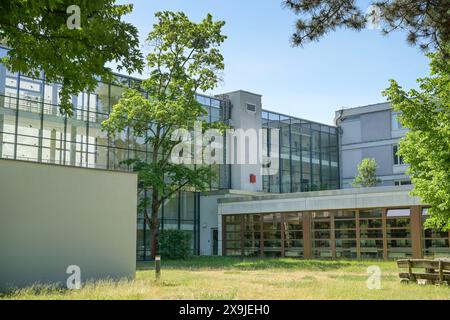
(411, 275)
(358, 235)
(261, 236)
(384, 230)
(441, 272)
(224, 236)
(332, 236)
(158, 267)
(307, 242)
(416, 232)
(242, 234)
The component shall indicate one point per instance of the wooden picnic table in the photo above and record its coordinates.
(436, 271)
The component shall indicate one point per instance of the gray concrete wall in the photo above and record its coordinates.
(376, 126)
(383, 155)
(366, 132)
(208, 221)
(352, 131)
(54, 216)
(375, 197)
(350, 161)
(244, 119)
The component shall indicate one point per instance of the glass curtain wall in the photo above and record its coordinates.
(436, 243)
(308, 153)
(33, 129)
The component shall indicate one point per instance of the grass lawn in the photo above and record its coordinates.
(234, 278)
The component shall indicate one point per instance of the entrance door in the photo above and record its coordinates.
(215, 241)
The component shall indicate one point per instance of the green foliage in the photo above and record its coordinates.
(426, 147)
(185, 58)
(174, 244)
(39, 39)
(426, 21)
(367, 174)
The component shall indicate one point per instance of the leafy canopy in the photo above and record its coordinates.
(39, 39)
(367, 174)
(425, 21)
(426, 147)
(184, 59)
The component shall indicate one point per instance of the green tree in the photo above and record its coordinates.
(426, 147)
(40, 36)
(184, 59)
(425, 21)
(367, 174)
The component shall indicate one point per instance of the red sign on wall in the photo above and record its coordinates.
(252, 178)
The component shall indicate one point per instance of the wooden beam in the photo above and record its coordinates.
(384, 226)
(358, 235)
(332, 236)
(307, 243)
(416, 232)
(242, 234)
(261, 236)
(224, 237)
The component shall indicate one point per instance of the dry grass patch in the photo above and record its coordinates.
(233, 278)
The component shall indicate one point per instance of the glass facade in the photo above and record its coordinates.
(32, 129)
(375, 233)
(435, 243)
(308, 155)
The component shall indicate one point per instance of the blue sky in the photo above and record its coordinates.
(345, 69)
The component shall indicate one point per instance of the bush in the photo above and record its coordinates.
(174, 244)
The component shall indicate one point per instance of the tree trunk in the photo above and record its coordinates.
(154, 225)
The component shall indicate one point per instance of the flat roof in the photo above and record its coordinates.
(311, 194)
(365, 109)
(344, 199)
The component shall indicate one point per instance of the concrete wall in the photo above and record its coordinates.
(366, 132)
(208, 222)
(244, 119)
(54, 216)
(375, 197)
(376, 126)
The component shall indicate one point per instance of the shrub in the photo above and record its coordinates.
(174, 244)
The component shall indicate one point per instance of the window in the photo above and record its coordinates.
(396, 124)
(321, 235)
(371, 233)
(398, 160)
(402, 182)
(345, 234)
(436, 243)
(293, 235)
(251, 107)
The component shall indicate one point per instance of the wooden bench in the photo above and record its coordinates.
(435, 271)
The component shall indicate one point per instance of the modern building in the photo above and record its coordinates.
(372, 223)
(372, 131)
(298, 210)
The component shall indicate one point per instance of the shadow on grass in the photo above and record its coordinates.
(250, 264)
